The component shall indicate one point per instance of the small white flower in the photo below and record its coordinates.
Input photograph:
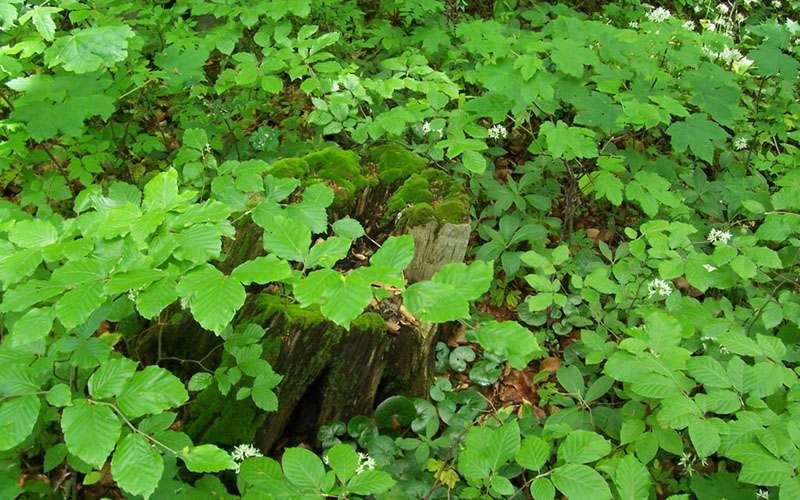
(697, 8)
(740, 17)
(687, 463)
(426, 127)
(729, 55)
(658, 287)
(763, 494)
(709, 267)
(365, 462)
(658, 15)
(715, 235)
(688, 25)
(777, 4)
(633, 24)
(740, 143)
(242, 452)
(711, 27)
(723, 8)
(498, 131)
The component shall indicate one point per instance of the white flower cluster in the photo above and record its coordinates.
(365, 462)
(715, 235)
(740, 143)
(497, 131)
(658, 15)
(633, 24)
(658, 287)
(688, 25)
(243, 451)
(426, 127)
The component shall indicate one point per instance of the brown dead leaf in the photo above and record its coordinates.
(392, 326)
(550, 364)
(408, 316)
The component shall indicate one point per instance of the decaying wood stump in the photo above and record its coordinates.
(330, 373)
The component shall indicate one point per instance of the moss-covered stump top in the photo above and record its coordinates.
(394, 164)
(341, 170)
(430, 195)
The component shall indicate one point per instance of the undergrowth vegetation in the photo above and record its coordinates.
(632, 179)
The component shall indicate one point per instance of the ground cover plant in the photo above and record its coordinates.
(625, 324)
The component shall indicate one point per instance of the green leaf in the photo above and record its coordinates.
(397, 252)
(744, 267)
(156, 297)
(343, 459)
(570, 56)
(17, 418)
(90, 431)
(304, 469)
(533, 453)
(471, 281)
(198, 243)
(78, 304)
(111, 377)
(435, 302)
(136, 466)
(328, 252)
(151, 390)
(161, 193)
(90, 49)
(34, 233)
(20, 265)
(765, 471)
(206, 458)
(571, 379)
(509, 339)
(632, 479)
(699, 134)
(395, 408)
(579, 482)
(33, 326)
(199, 381)
(262, 270)
(708, 371)
(542, 489)
(346, 299)
(582, 447)
(705, 437)
(59, 395)
(213, 297)
(370, 482)
(473, 161)
(569, 142)
(348, 228)
(287, 239)
(43, 20)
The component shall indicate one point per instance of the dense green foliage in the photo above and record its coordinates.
(138, 135)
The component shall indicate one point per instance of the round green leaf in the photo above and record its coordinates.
(17, 417)
(137, 466)
(90, 431)
(206, 458)
(397, 408)
(304, 469)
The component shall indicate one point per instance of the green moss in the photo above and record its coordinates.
(418, 214)
(272, 304)
(290, 167)
(395, 163)
(369, 322)
(454, 210)
(416, 189)
(339, 169)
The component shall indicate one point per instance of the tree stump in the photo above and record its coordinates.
(330, 373)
